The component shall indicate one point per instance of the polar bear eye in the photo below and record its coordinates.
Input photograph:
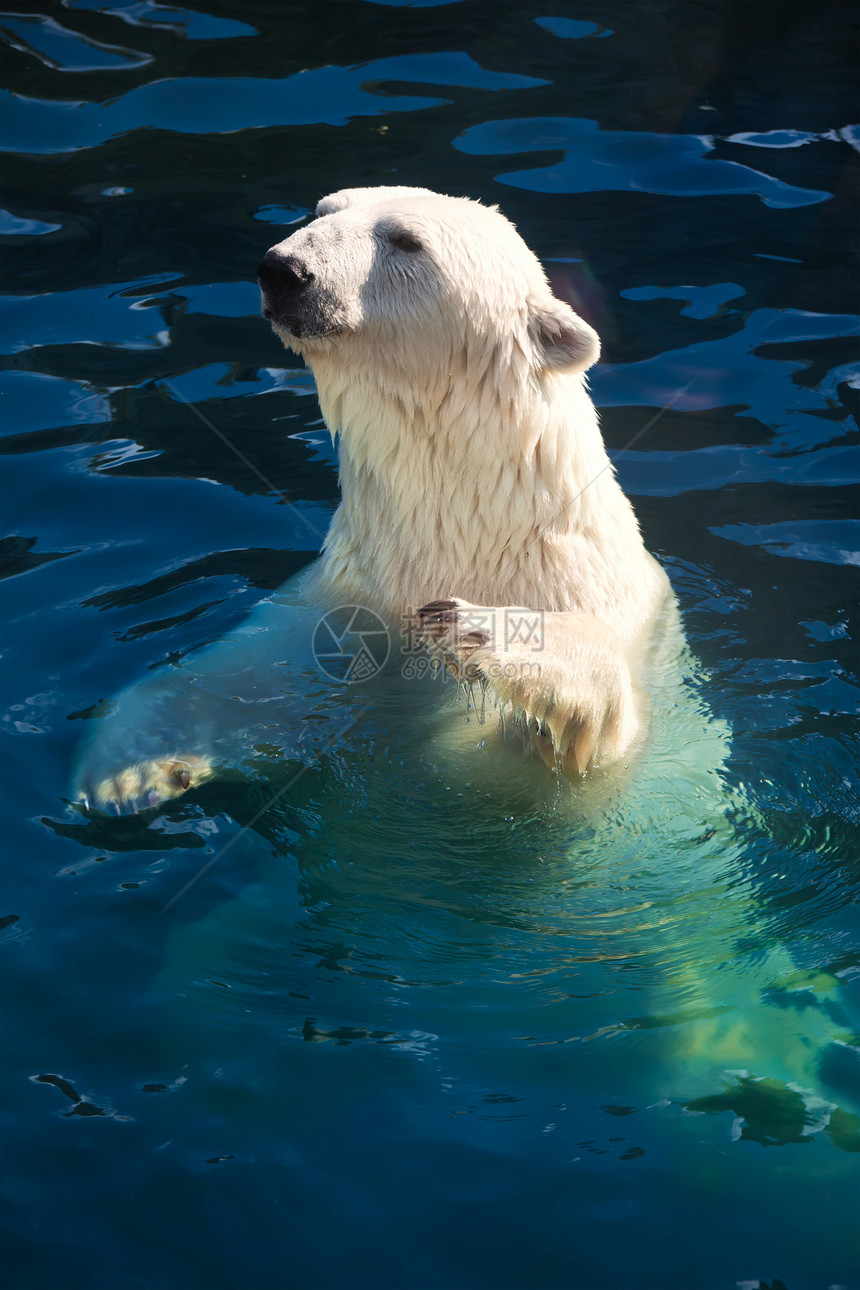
(404, 241)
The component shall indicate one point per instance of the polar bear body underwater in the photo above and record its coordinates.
(475, 489)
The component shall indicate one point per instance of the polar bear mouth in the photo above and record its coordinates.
(300, 328)
(307, 325)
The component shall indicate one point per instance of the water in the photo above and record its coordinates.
(431, 1021)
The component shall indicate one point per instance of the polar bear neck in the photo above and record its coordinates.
(500, 501)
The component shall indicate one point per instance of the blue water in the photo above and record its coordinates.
(414, 1028)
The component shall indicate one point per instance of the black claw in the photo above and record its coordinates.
(437, 607)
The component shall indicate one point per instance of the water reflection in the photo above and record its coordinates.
(429, 1022)
(624, 160)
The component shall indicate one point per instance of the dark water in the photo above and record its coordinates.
(410, 1031)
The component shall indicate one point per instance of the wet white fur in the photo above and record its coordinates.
(471, 460)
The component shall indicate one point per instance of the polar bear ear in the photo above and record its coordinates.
(564, 343)
(334, 202)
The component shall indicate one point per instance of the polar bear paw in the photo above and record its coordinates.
(145, 784)
(563, 677)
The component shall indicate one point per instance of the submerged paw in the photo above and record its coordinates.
(145, 784)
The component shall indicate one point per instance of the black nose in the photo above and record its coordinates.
(280, 273)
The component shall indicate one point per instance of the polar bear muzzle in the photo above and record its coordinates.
(287, 302)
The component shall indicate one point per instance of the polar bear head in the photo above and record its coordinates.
(405, 279)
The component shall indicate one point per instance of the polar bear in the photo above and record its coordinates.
(476, 495)
(476, 491)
